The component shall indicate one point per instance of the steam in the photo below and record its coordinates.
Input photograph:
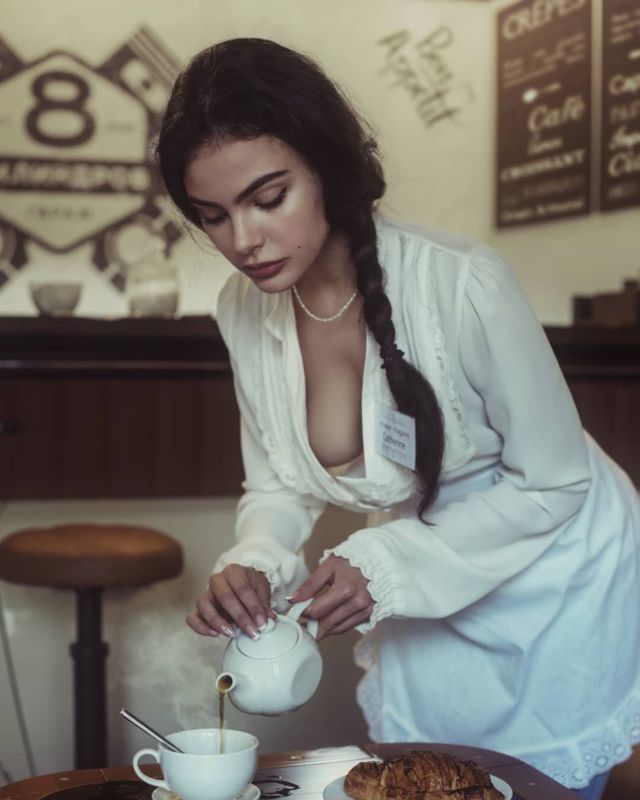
(155, 658)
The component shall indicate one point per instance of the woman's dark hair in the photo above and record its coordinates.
(245, 88)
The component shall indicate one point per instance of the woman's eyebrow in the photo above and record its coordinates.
(269, 176)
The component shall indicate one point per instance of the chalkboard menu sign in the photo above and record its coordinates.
(620, 164)
(544, 111)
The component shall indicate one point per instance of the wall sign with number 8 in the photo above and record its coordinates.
(75, 162)
(49, 101)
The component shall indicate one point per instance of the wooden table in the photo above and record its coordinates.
(300, 775)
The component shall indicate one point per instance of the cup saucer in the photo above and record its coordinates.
(164, 794)
(252, 792)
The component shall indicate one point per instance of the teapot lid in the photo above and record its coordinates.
(275, 639)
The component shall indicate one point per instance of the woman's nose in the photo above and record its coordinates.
(247, 237)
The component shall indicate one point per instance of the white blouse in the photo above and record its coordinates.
(474, 637)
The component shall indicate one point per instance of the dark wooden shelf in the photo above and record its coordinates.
(190, 345)
(613, 352)
(194, 344)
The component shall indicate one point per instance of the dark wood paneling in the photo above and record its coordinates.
(222, 461)
(145, 408)
(610, 410)
(596, 402)
(198, 437)
(34, 454)
(132, 438)
(84, 437)
(178, 437)
(7, 433)
(628, 449)
(119, 437)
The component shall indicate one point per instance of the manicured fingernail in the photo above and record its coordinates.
(228, 631)
(290, 597)
(252, 632)
(261, 622)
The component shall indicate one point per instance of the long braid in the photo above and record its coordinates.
(412, 392)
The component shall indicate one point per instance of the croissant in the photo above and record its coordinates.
(420, 775)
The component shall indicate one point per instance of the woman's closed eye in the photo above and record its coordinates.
(266, 204)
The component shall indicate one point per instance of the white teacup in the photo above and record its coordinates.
(202, 772)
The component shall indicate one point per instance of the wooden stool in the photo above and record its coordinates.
(89, 558)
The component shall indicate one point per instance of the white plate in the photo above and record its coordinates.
(335, 789)
(252, 792)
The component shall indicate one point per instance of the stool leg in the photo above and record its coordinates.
(89, 654)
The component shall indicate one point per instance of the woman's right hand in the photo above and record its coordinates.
(236, 596)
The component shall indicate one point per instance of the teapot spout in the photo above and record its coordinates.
(225, 682)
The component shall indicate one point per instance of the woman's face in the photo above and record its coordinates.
(261, 206)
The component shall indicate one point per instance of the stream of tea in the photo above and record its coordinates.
(223, 686)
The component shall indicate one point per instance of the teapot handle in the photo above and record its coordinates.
(296, 610)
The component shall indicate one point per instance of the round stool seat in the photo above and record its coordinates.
(87, 555)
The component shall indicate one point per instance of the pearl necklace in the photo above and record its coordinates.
(324, 319)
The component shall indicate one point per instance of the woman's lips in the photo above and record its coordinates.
(267, 270)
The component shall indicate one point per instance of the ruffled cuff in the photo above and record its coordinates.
(375, 569)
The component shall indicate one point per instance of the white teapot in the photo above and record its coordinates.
(276, 673)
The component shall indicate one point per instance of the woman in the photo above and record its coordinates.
(499, 603)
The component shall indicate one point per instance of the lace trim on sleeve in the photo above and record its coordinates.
(380, 585)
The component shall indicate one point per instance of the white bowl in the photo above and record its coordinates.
(55, 299)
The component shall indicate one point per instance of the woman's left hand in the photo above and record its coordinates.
(342, 599)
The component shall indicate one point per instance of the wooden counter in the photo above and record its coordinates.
(116, 409)
(602, 368)
(145, 407)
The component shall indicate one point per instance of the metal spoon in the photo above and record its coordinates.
(144, 727)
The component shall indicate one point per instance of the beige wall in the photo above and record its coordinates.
(440, 176)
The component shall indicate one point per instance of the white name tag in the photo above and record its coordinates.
(395, 436)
